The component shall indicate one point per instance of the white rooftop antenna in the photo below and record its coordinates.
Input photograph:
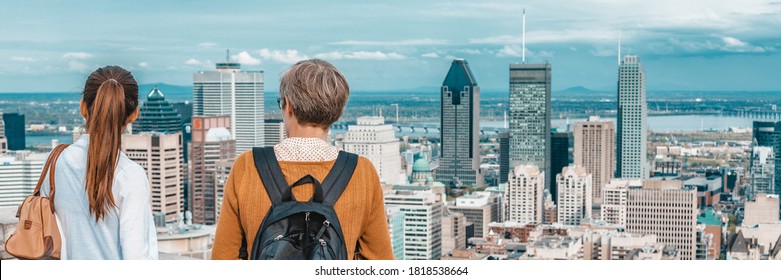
(523, 39)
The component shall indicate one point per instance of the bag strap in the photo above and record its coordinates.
(270, 173)
(339, 176)
(49, 167)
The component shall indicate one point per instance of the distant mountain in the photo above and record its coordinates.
(578, 89)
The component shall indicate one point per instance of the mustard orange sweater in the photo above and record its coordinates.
(360, 209)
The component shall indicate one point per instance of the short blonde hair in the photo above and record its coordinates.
(316, 91)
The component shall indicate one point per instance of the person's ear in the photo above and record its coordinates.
(133, 116)
(83, 108)
(287, 109)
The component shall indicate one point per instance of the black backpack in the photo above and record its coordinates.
(295, 230)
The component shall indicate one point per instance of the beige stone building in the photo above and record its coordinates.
(763, 209)
(160, 155)
(523, 196)
(453, 232)
(575, 197)
(594, 149)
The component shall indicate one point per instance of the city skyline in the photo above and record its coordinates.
(580, 39)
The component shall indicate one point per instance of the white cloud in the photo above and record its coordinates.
(411, 42)
(23, 59)
(733, 42)
(245, 58)
(470, 51)
(207, 45)
(361, 55)
(77, 55)
(192, 61)
(509, 51)
(77, 66)
(143, 64)
(450, 57)
(288, 56)
(726, 44)
(430, 55)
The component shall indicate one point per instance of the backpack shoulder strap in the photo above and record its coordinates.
(270, 173)
(339, 176)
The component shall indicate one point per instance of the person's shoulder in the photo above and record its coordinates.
(129, 169)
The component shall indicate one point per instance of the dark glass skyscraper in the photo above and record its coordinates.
(14, 130)
(530, 113)
(459, 161)
(504, 156)
(560, 158)
(768, 134)
(157, 115)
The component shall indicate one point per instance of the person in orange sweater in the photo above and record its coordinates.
(313, 94)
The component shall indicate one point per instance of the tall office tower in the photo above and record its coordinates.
(453, 232)
(158, 115)
(524, 194)
(504, 156)
(19, 174)
(222, 170)
(185, 110)
(762, 210)
(595, 148)
(575, 198)
(632, 133)
(3, 141)
(395, 219)
(768, 134)
(459, 162)
(422, 222)
(476, 207)
(275, 132)
(375, 140)
(561, 157)
(763, 176)
(238, 94)
(211, 142)
(530, 113)
(614, 194)
(161, 156)
(14, 131)
(667, 210)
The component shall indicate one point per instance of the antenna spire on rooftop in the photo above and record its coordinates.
(523, 39)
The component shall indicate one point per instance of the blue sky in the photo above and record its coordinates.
(394, 45)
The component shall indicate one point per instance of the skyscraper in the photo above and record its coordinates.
(768, 134)
(459, 162)
(161, 156)
(614, 193)
(422, 222)
(395, 219)
(14, 130)
(211, 142)
(275, 131)
(375, 140)
(238, 94)
(524, 194)
(158, 115)
(530, 113)
(763, 176)
(504, 156)
(632, 133)
(19, 174)
(575, 198)
(667, 210)
(561, 156)
(595, 150)
(3, 141)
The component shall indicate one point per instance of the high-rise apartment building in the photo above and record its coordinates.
(422, 222)
(14, 131)
(763, 171)
(235, 93)
(275, 132)
(614, 195)
(595, 150)
(529, 116)
(524, 194)
(459, 161)
(158, 115)
(161, 156)
(477, 208)
(575, 198)
(211, 142)
(3, 140)
(19, 173)
(372, 138)
(768, 134)
(667, 210)
(632, 130)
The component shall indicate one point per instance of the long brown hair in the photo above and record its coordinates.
(111, 97)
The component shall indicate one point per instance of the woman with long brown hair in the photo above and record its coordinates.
(102, 197)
